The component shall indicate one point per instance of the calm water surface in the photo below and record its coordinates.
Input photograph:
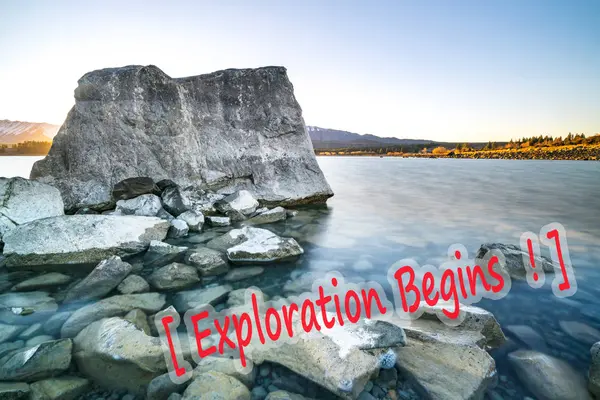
(388, 209)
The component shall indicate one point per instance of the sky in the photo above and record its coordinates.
(448, 70)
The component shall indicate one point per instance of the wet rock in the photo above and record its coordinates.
(241, 273)
(133, 284)
(594, 373)
(162, 386)
(225, 366)
(160, 254)
(194, 220)
(9, 347)
(145, 205)
(209, 262)
(111, 307)
(268, 217)
(174, 276)
(238, 297)
(139, 319)
(529, 336)
(513, 256)
(34, 341)
(21, 308)
(9, 331)
(38, 362)
(133, 187)
(216, 385)
(548, 377)
(218, 221)
(580, 331)
(14, 391)
(55, 322)
(444, 370)
(31, 331)
(241, 203)
(283, 395)
(62, 388)
(45, 281)
(178, 228)
(117, 355)
(105, 277)
(189, 299)
(261, 245)
(174, 201)
(73, 239)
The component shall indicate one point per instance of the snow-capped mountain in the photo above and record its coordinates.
(12, 132)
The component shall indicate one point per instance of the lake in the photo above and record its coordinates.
(387, 209)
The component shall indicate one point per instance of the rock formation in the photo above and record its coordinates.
(226, 131)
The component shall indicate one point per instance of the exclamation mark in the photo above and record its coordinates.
(532, 258)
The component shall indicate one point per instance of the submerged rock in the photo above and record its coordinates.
(209, 262)
(513, 256)
(14, 390)
(111, 307)
(218, 221)
(38, 362)
(45, 281)
(62, 388)
(268, 217)
(174, 276)
(548, 377)
(261, 245)
(594, 374)
(216, 385)
(74, 239)
(189, 299)
(204, 120)
(161, 253)
(242, 273)
(26, 307)
(118, 355)
(107, 275)
(133, 284)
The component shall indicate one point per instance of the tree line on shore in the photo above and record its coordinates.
(30, 148)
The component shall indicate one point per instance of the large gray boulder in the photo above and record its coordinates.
(25, 201)
(228, 130)
(116, 354)
(76, 239)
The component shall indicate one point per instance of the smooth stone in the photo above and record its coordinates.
(34, 341)
(160, 254)
(216, 385)
(580, 331)
(31, 331)
(209, 262)
(225, 366)
(238, 274)
(14, 390)
(139, 319)
(86, 239)
(261, 245)
(186, 300)
(548, 377)
(527, 335)
(45, 281)
(9, 331)
(161, 387)
(238, 297)
(20, 308)
(61, 388)
(111, 307)
(8, 347)
(31, 364)
(55, 322)
(174, 276)
(105, 277)
(117, 355)
(133, 284)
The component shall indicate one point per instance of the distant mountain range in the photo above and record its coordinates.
(323, 138)
(12, 132)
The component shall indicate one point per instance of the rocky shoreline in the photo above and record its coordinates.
(90, 334)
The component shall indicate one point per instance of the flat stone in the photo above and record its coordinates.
(261, 245)
(34, 341)
(174, 276)
(31, 331)
(241, 273)
(44, 281)
(14, 391)
(133, 284)
(25, 200)
(61, 388)
(548, 377)
(111, 307)
(31, 364)
(209, 262)
(160, 254)
(105, 277)
(8, 347)
(187, 300)
(268, 217)
(73, 239)
(529, 336)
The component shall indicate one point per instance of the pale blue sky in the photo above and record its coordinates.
(442, 70)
